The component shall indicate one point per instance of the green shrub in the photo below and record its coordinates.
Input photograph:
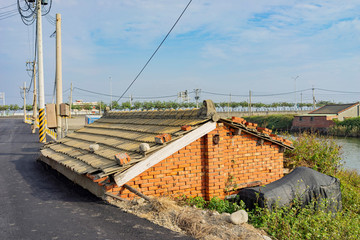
(349, 127)
(223, 205)
(306, 223)
(215, 204)
(199, 202)
(317, 152)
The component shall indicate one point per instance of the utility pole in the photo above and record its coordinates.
(24, 89)
(34, 126)
(42, 133)
(28, 16)
(71, 90)
(229, 105)
(314, 102)
(197, 97)
(295, 90)
(301, 100)
(130, 99)
(249, 107)
(59, 97)
(110, 94)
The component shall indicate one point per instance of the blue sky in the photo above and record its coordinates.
(227, 47)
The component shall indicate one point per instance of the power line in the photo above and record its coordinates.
(9, 16)
(224, 94)
(103, 94)
(8, 6)
(279, 94)
(336, 91)
(8, 12)
(140, 97)
(155, 51)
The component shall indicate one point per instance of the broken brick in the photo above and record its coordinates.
(264, 130)
(163, 138)
(122, 158)
(238, 120)
(186, 128)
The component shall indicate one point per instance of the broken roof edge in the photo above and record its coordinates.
(255, 133)
(158, 156)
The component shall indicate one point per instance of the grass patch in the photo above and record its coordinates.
(215, 203)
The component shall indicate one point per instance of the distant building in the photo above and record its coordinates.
(321, 119)
(82, 103)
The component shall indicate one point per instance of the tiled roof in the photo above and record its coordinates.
(119, 132)
(333, 109)
(123, 132)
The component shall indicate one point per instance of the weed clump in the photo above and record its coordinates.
(317, 152)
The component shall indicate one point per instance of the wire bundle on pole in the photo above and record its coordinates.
(27, 10)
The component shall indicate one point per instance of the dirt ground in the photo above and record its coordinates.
(198, 223)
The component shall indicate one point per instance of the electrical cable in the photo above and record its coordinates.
(137, 76)
(9, 16)
(8, 6)
(279, 94)
(327, 90)
(134, 97)
(103, 94)
(8, 12)
(50, 20)
(225, 94)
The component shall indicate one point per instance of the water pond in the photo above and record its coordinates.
(350, 152)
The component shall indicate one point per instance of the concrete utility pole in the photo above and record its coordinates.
(314, 102)
(110, 94)
(34, 126)
(24, 89)
(59, 97)
(71, 90)
(42, 133)
(295, 91)
(229, 105)
(197, 97)
(249, 107)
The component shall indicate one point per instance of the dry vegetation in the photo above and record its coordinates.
(198, 223)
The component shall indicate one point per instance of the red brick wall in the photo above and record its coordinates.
(207, 169)
(317, 122)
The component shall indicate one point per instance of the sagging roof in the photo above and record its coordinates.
(333, 108)
(165, 132)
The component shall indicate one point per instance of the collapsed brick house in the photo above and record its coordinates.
(321, 119)
(171, 152)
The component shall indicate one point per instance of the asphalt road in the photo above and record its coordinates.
(39, 203)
